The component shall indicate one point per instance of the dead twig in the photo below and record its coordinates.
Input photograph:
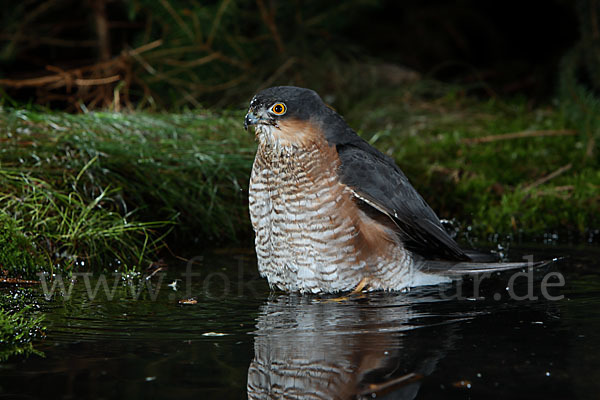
(519, 135)
(18, 281)
(98, 81)
(94, 84)
(548, 177)
(192, 63)
(146, 47)
(136, 54)
(60, 76)
(564, 188)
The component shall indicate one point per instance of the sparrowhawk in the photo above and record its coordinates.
(330, 212)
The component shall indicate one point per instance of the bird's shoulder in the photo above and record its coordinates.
(380, 185)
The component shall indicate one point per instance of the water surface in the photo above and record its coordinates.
(240, 340)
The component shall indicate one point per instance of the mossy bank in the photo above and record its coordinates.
(108, 190)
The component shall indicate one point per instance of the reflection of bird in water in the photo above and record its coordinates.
(308, 349)
(331, 213)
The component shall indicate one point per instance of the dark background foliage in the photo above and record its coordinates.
(192, 53)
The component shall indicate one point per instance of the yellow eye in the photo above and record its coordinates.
(278, 109)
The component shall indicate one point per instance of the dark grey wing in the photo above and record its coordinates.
(380, 184)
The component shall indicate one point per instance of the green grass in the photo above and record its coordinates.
(104, 188)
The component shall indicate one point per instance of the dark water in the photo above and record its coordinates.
(240, 340)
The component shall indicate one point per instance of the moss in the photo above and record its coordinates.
(495, 187)
(18, 256)
(19, 325)
(105, 188)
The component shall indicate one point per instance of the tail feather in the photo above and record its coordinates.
(481, 257)
(458, 269)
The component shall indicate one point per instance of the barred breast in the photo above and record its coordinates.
(310, 234)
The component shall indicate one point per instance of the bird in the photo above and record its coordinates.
(331, 213)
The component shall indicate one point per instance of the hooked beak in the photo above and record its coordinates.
(250, 119)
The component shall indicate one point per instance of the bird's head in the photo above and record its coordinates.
(284, 115)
